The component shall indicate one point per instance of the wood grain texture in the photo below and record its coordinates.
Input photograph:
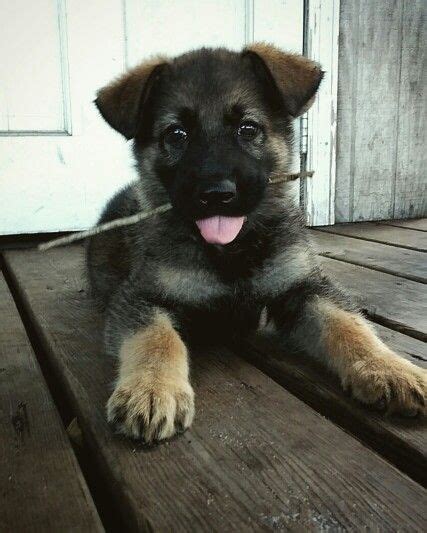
(401, 441)
(322, 46)
(371, 231)
(346, 108)
(408, 347)
(396, 302)
(369, 158)
(410, 194)
(255, 459)
(42, 487)
(409, 264)
(419, 224)
(381, 138)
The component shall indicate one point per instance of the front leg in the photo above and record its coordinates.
(153, 398)
(319, 319)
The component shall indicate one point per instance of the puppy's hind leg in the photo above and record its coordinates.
(153, 398)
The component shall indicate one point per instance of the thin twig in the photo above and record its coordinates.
(118, 222)
(281, 178)
(133, 219)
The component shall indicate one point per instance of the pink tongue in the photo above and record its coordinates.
(220, 230)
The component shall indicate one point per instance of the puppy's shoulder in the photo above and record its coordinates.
(124, 203)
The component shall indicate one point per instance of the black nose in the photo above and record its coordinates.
(222, 192)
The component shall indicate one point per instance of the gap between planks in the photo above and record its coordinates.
(417, 224)
(401, 441)
(382, 233)
(401, 262)
(37, 463)
(105, 503)
(395, 302)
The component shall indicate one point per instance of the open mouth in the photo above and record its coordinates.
(220, 229)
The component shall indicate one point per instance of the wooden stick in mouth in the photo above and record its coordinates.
(137, 217)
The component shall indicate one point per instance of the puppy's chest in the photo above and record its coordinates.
(208, 308)
(201, 276)
(198, 287)
(189, 285)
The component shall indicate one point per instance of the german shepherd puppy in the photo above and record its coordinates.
(209, 128)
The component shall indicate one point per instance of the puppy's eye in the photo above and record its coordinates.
(248, 130)
(175, 135)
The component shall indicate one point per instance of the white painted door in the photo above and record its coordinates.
(59, 162)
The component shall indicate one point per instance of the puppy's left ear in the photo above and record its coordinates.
(297, 78)
(121, 101)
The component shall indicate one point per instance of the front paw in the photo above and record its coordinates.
(388, 382)
(150, 409)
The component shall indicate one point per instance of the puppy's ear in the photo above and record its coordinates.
(297, 78)
(121, 101)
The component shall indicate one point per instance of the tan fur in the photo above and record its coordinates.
(190, 285)
(295, 75)
(153, 397)
(119, 101)
(281, 151)
(367, 367)
(282, 271)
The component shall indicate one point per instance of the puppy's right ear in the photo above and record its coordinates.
(121, 101)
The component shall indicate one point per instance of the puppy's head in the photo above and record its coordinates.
(211, 126)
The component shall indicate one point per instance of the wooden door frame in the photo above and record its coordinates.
(321, 32)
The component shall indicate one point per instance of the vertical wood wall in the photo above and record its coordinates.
(382, 110)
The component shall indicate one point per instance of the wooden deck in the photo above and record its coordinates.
(276, 444)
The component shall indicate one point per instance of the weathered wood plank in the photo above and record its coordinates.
(399, 303)
(410, 195)
(256, 457)
(403, 442)
(419, 224)
(371, 231)
(346, 109)
(408, 347)
(409, 264)
(366, 153)
(42, 487)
